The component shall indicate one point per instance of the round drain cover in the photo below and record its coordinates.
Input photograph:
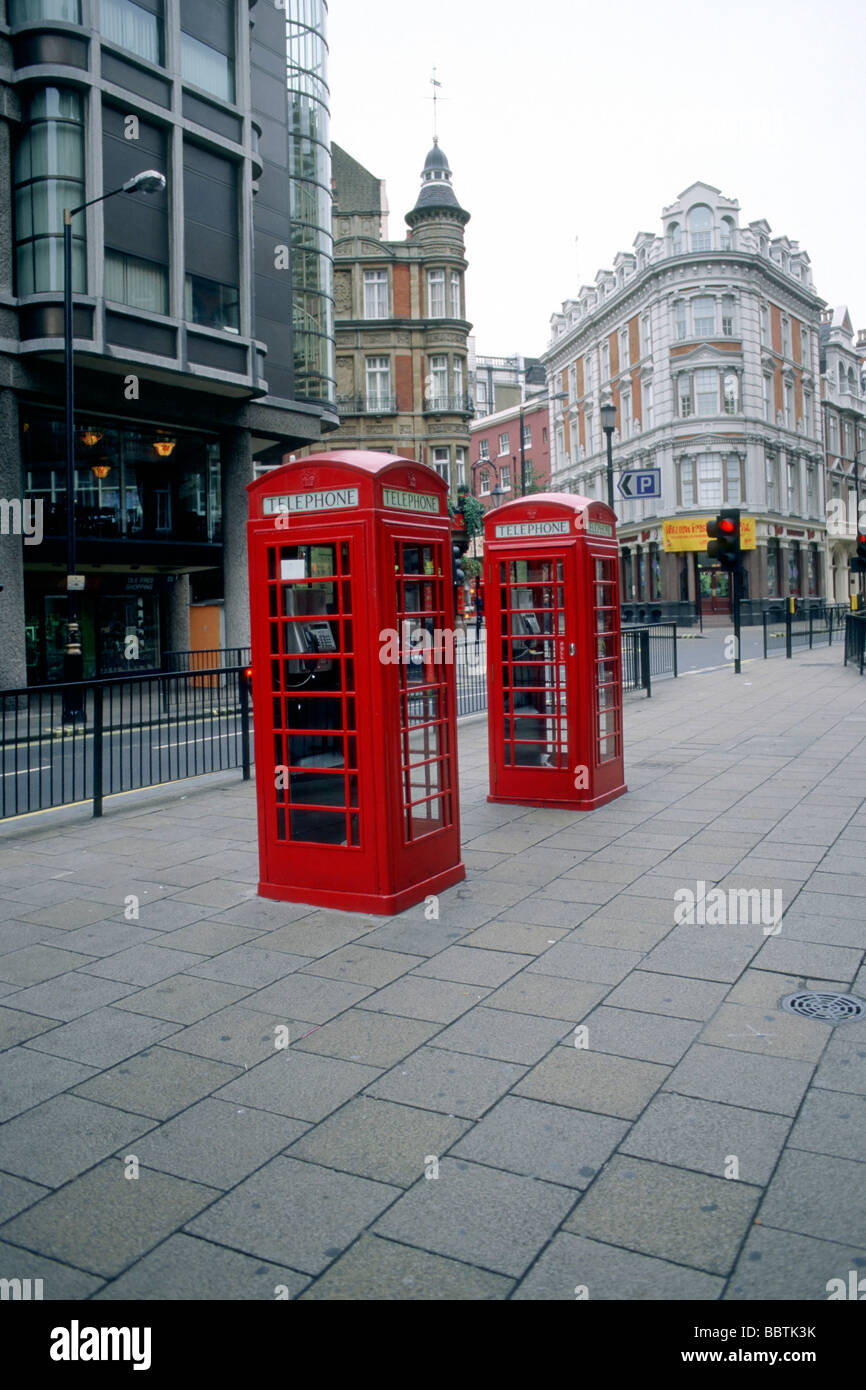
(832, 1008)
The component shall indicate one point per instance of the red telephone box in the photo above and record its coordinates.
(553, 652)
(353, 682)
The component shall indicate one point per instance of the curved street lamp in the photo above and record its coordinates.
(148, 181)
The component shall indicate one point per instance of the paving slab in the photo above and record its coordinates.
(185, 1269)
(294, 1213)
(593, 1081)
(217, 1143)
(384, 1270)
(685, 1217)
(102, 1221)
(479, 1215)
(705, 1136)
(16, 1194)
(360, 1035)
(310, 998)
(437, 1001)
(574, 1267)
(435, 1079)
(380, 1139)
(675, 995)
(817, 1195)
(775, 1084)
(183, 999)
(157, 1082)
(535, 1139)
(299, 1084)
(636, 1033)
(547, 996)
(59, 1281)
(58, 1139)
(831, 1122)
(781, 1265)
(28, 1077)
(362, 965)
(510, 1036)
(103, 1037)
(253, 966)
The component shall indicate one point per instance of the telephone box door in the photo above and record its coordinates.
(534, 696)
(308, 754)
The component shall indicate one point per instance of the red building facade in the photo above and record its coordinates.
(495, 453)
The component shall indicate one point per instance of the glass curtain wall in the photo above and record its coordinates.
(310, 194)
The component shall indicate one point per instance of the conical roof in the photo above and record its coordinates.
(436, 190)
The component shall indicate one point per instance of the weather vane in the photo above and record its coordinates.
(435, 84)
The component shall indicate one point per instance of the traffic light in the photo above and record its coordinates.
(724, 545)
(861, 546)
(457, 570)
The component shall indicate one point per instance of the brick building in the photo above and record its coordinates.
(844, 409)
(496, 459)
(401, 327)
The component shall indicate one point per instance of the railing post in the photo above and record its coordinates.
(764, 625)
(97, 749)
(243, 692)
(645, 661)
(810, 628)
(676, 671)
(788, 630)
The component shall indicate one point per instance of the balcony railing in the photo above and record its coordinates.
(461, 404)
(367, 405)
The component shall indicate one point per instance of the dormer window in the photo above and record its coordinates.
(700, 228)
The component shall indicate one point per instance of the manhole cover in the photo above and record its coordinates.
(833, 1008)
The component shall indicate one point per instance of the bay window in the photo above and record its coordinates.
(704, 316)
(436, 294)
(706, 392)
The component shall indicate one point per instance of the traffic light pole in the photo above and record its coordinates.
(737, 578)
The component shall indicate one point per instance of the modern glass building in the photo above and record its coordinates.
(310, 193)
(203, 332)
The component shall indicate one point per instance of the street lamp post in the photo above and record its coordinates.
(608, 424)
(149, 181)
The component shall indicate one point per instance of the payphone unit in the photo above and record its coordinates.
(353, 693)
(553, 652)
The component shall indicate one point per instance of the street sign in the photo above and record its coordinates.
(641, 482)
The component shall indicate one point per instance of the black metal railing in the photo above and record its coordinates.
(816, 627)
(470, 661)
(855, 640)
(136, 732)
(445, 404)
(647, 651)
(210, 657)
(367, 405)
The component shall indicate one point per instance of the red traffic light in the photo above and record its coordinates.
(727, 525)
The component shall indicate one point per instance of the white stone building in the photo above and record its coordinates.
(843, 404)
(706, 340)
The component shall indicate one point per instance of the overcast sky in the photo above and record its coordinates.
(565, 121)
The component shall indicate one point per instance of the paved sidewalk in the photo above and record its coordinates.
(433, 1131)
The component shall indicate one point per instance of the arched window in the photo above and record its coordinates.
(700, 228)
(676, 236)
(841, 377)
(680, 319)
(727, 241)
(852, 381)
(731, 393)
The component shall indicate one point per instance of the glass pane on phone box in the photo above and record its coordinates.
(346, 596)
(317, 788)
(423, 781)
(412, 560)
(345, 560)
(272, 601)
(318, 827)
(315, 713)
(604, 621)
(323, 560)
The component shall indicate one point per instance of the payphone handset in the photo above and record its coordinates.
(315, 636)
(525, 623)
